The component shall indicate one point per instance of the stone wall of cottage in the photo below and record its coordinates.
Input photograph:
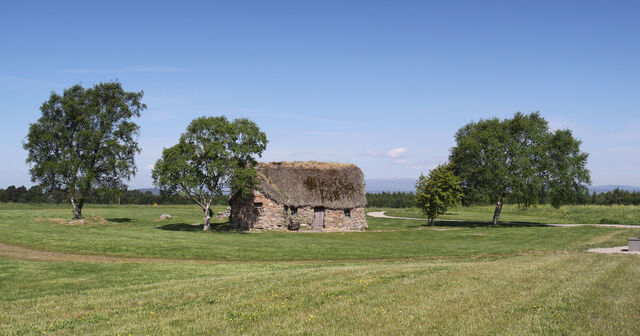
(338, 220)
(261, 213)
(301, 219)
(270, 215)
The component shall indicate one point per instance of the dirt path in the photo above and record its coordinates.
(18, 252)
(29, 254)
(381, 214)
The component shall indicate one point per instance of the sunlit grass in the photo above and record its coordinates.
(402, 278)
(135, 231)
(577, 294)
(571, 214)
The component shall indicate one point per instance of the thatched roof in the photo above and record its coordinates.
(331, 185)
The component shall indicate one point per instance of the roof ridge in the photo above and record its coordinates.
(305, 164)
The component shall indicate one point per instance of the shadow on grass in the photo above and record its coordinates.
(119, 220)
(218, 227)
(476, 224)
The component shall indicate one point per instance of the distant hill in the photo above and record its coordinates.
(390, 185)
(607, 188)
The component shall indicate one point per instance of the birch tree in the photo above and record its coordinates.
(519, 159)
(84, 140)
(212, 156)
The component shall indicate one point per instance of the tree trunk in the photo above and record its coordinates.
(77, 208)
(207, 219)
(496, 214)
(433, 220)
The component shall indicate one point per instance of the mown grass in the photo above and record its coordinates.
(571, 214)
(403, 278)
(555, 294)
(135, 231)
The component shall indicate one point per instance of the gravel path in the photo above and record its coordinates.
(617, 249)
(381, 214)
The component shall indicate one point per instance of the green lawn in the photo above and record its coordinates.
(570, 214)
(400, 278)
(134, 231)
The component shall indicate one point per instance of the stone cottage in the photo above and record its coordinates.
(303, 196)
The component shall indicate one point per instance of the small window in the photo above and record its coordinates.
(257, 207)
(347, 213)
(294, 211)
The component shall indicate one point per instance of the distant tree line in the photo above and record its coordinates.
(375, 200)
(475, 198)
(406, 199)
(617, 196)
(391, 200)
(35, 194)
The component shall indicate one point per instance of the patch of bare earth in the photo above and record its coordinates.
(52, 220)
(611, 250)
(29, 254)
(93, 220)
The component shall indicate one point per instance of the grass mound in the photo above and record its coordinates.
(93, 220)
(52, 220)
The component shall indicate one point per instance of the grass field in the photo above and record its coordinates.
(399, 278)
(571, 214)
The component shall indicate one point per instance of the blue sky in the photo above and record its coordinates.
(384, 84)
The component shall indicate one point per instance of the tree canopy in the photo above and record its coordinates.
(85, 139)
(519, 158)
(213, 155)
(438, 191)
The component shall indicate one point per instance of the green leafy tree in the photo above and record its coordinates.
(565, 183)
(438, 191)
(211, 156)
(11, 194)
(85, 139)
(519, 158)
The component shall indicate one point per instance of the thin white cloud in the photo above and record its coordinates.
(129, 69)
(149, 167)
(397, 153)
(410, 164)
(372, 153)
(399, 157)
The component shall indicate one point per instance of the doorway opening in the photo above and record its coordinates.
(318, 218)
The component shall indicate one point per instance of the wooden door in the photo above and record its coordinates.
(318, 218)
